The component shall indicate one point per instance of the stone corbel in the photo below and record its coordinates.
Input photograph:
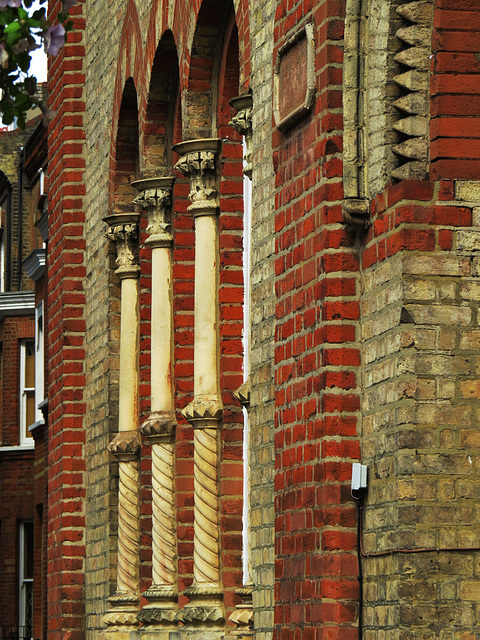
(356, 212)
(242, 122)
(242, 394)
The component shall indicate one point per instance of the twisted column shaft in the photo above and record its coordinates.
(163, 531)
(206, 550)
(128, 534)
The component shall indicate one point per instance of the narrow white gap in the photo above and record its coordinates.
(247, 226)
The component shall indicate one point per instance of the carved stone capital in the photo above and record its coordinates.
(203, 411)
(125, 446)
(242, 394)
(123, 231)
(159, 425)
(242, 122)
(199, 162)
(155, 197)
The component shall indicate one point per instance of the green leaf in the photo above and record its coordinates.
(21, 120)
(21, 98)
(8, 113)
(13, 38)
(24, 60)
(5, 17)
(39, 15)
(12, 27)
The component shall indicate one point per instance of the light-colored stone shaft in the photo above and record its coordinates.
(206, 550)
(128, 398)
(206, 313)
(162, 330)
(128, 531)
(163, 520)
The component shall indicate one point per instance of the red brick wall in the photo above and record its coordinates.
(14, 330)
(16, 490)
(316, 356)
(16, 472)
(455, 107)
(66, 326)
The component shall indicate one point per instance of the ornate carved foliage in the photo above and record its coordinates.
(200, 167)
(155, 197)
(242, 122)
(125, 237)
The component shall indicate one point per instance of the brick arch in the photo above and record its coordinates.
(162, 113)
(126, 156)
(130, 69)
(228, 75)
(200, 93)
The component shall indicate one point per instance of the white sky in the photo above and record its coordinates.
(38, 67)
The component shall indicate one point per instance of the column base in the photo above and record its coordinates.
(205, 606)
(124, 610)
(243, 613)
(162, 606)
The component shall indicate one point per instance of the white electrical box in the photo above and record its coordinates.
(359, 476)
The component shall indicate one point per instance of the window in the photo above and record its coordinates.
(25, 620)
(27, 389)
(39, 361)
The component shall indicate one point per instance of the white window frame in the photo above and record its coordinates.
(24, 437)
(23, 582)
(39, 361)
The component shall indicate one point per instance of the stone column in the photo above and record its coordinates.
(155, 198)
(242, 616)
(198, 161)
(123, 231)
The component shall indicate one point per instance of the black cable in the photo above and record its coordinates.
(360, 568)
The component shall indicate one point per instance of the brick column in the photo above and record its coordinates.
(123, 230)
(155, 197)
(198, 161)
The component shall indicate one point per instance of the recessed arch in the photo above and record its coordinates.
(162, 111)
(200, 99)
(125, 166)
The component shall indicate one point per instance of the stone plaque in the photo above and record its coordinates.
(294, 78)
